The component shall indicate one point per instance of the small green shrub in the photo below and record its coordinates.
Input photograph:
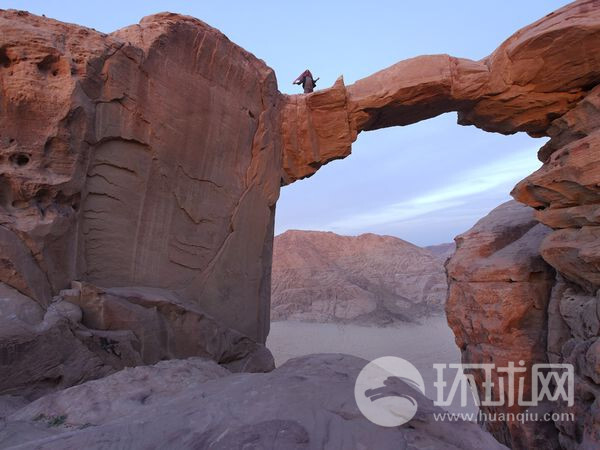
(57, 421)
(51, 421)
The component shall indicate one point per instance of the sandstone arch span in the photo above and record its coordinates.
(151, 158)
(528, 82)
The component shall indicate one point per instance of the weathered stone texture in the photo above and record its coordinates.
(133, 159)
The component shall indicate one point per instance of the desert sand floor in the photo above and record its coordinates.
(422, 344)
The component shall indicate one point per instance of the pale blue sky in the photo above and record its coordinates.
(425, 182)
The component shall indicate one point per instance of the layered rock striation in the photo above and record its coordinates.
(565, 195)
(367, 279)
(498, 297)
(147, 157)
(142, 167)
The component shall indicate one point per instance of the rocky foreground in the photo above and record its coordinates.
(367, 279)
(308, 403)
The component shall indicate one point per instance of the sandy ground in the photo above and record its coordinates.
(422, 344)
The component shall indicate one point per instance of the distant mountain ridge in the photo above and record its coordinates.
(443, 251)
(367, 279)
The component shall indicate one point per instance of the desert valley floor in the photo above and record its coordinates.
(423, 344)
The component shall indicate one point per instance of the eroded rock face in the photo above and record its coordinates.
(367, 279)
(506, 305)
(499, 288)
(307, 403)
(566, 196)
(132, 159)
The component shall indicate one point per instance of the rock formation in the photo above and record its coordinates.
(367, 279)
(88, 333)
(499, 290)
(129, 165)
(532, 79)
(565, 193)
(543, 80)
(307, 403)
(147, 157)
(149, 161)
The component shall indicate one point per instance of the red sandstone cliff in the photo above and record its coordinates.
(147, 158)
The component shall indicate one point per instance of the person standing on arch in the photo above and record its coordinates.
(307, 81)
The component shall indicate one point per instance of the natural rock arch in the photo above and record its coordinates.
(153, 157)
(497, 277)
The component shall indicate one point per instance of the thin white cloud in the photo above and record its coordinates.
(502, 173)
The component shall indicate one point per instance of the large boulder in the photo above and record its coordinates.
(43, 351)
(166, 326)
(87, 333)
